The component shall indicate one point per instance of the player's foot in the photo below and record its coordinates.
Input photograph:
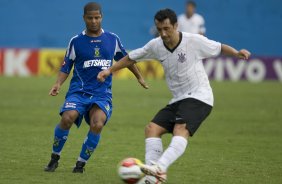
(53, 164)
(79, 167)
(155, 171)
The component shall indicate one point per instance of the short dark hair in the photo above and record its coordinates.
(167, 13)
(192, 3)
(92, 6)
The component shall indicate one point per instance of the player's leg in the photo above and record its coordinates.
(161, 124)
(61, 133)
(153, 142)
(176, 148)
(62, 130)
(97, 120)
(189, 115)
(173, 152)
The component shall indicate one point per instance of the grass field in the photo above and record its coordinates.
(240, 142)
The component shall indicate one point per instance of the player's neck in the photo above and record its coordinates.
(189, 15)
(93, 34)
(174, 41)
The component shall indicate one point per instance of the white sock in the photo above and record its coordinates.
(176, 148)
(81, 159)
(154, 149)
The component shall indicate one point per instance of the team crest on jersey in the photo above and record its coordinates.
(97, 52)
(181, 58)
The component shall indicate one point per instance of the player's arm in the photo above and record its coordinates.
(119, 56)
(123, 63)
(134, 69)
(146, 52)
(65, 69)
(59, 82)
(208, 48)
(230, 51)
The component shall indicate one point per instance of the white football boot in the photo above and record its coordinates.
(154, 170)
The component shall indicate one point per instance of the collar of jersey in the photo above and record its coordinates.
(173, 49)
(84, 33)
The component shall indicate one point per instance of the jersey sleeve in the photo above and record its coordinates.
(206, 48)
(146, 52)
(120, 52)
(69, 58)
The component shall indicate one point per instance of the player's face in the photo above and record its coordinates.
(190, 9)
(166, 30)
(93, 21)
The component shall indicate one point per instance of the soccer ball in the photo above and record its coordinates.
(129, 170)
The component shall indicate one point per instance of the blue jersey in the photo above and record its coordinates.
(89, 56)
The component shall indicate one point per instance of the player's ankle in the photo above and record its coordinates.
(161, 167)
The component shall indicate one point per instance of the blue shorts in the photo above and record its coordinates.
(83, 102)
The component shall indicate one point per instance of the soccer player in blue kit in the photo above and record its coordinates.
(89, 52)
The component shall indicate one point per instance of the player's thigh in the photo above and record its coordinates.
(192, 112)
(73, 108)
(163, 121)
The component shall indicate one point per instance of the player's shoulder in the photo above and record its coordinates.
(181, 17)
(77, 37)
(155, 41)
(191, 37)
(187, 35)
(198, 16)
(111, 34)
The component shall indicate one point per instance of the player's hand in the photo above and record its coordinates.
(243, 54)
(103, 75)
(55, 90)
(143, 83)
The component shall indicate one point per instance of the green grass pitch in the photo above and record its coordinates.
(240, 142)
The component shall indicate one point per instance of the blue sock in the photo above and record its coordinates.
(59, 139)
(89, 146)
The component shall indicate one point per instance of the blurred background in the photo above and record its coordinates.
(34, 33)
(239, 143)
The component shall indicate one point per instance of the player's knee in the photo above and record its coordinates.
(151, 131)
(96, 126)
(67, 121)
(148, 129)
(181, 130)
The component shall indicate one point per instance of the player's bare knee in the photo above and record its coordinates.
(148, 129)
(181, 130)
(67, 121)
(152, 130)
(96, 126)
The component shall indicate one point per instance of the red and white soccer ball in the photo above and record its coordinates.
(129, 170)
